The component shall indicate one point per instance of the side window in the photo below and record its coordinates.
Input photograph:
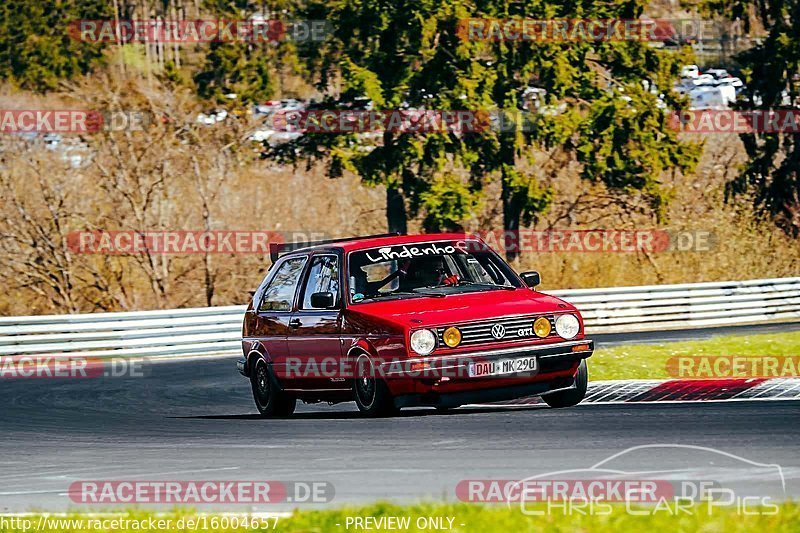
(279, 295)
(323, 276)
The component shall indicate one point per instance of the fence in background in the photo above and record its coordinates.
(217, 330)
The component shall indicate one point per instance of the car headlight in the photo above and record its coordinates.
(423, 341)
(567, 326)
(541, 327)
(452, 337)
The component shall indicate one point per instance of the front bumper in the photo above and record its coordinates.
(446, 379)
(546, 354)
(496, 394)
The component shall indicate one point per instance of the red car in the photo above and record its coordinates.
(392, 321)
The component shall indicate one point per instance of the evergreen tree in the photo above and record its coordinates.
(36, 47)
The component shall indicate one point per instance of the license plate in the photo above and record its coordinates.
(499, 367)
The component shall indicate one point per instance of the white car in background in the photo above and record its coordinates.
(291, 104)
(704, 79)
(690, 71)
(710, 98)
(267, 108)
(717, 73)
(261, 135)
(216, 116)
(736, 83)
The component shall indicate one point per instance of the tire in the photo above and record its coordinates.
(371, 393)
(270, 400)
(570, 397)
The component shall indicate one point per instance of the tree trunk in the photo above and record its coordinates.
(396, 215)
(512, 213)
(513, 200)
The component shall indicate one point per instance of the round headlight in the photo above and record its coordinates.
(567, 326)
(542, 327)
(423, 341)
(452, 337)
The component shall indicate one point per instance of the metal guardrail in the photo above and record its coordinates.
(684, 306)
(217, 330)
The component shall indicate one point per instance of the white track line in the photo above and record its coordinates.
(622, 391)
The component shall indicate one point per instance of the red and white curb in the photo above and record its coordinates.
(678, 391)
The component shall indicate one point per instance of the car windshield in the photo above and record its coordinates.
(427, 269)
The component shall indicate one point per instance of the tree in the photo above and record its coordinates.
(383, 51)
(34, 225)
(251, 70)
(235, 68)
(36, 48)
(416, 54)
(595, 108)
(772, 70)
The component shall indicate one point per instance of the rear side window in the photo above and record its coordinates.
(323, 276)
(279, 295)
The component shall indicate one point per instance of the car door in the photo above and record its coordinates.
(315, 333)
(274, 311)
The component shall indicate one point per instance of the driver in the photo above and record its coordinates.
(428, 271)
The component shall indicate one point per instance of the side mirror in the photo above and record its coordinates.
(531, 279)
(322, 300)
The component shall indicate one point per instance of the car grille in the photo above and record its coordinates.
(481, 333)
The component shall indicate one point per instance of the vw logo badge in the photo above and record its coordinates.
(498, 331)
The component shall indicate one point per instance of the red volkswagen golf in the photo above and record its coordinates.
(392, 321)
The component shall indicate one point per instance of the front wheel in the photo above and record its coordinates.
(270, 400)
(574, 396)
(372, 395)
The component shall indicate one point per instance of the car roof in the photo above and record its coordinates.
(364, 243)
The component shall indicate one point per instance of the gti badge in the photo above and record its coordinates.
(498, 331)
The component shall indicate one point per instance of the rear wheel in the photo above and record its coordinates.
(371, 393)
(574, 396)
(270, 400)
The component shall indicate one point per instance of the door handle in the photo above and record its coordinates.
(295, 323)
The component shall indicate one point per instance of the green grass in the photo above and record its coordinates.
(469, 518)
(648, 361)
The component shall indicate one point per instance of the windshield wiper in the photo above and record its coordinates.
(405, 293)
(431, 294)
(492, 285)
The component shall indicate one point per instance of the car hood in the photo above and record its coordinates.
(457, 308)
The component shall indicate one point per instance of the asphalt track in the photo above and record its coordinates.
(194, 420)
